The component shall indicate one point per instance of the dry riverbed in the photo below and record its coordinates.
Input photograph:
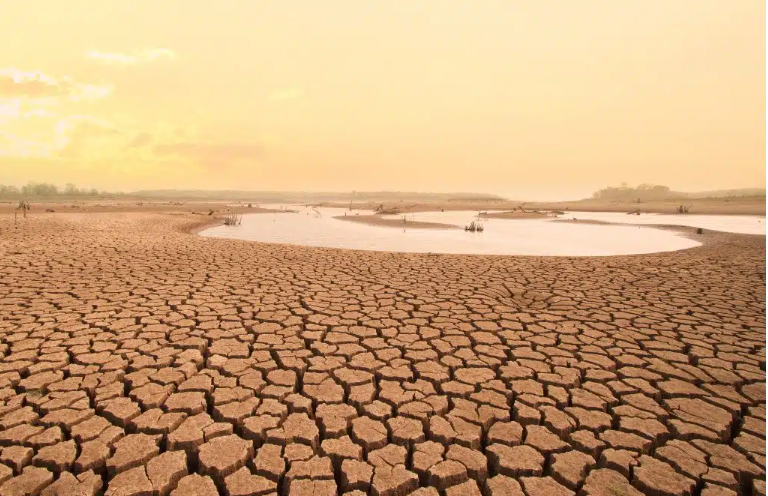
(138, 358)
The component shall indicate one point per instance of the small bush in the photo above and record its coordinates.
(233, 220)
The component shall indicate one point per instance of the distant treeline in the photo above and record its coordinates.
(34, 189)
(47, 189)
(624, 192)
(646, 192)
(313, 197)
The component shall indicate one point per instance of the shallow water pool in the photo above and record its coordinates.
(318, 227)
(744, 224)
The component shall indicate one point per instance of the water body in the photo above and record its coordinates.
(501, 236)
(744, 224)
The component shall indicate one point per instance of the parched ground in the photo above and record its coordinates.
(138, 359)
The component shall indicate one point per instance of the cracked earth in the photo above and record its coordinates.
(137, 359)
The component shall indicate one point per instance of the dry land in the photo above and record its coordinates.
(377, 220)
(141, 359)
(518, 214)
(124, 206)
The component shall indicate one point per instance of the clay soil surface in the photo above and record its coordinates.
(122, 206)
(140, 359)
(517, 214)
(377, 220)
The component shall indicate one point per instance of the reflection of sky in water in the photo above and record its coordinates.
(745, 224)
(501, 237)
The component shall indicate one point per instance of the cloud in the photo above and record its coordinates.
(159, 53)
(31, 108)
(15, 82)
(90, 92)
(71, 136)
(211, 154)
(125, 60)
(75, 132)
(18, 108)
(36, 85)
(12, 145)
(286, 95)
(10, 108)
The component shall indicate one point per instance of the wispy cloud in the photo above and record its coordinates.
(20, 108)
(75, 131)
(15, 146)
(15, 82)
(129, 59)
(18, 83)
(90, 92)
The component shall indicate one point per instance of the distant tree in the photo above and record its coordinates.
(45, 189)
(627, 193)
(39, 189)
(8, 190)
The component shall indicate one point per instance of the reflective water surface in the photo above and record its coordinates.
(318, 227)
(745, 224)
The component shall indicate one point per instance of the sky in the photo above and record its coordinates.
(531, 100)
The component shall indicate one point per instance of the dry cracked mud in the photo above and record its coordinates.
(139, 359)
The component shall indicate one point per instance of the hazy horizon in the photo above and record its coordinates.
(550, 100)
(281, 196)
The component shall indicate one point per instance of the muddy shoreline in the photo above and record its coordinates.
(376, 220)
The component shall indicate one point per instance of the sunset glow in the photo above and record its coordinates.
(549, 99)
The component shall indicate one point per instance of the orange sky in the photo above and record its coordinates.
(541, 99)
